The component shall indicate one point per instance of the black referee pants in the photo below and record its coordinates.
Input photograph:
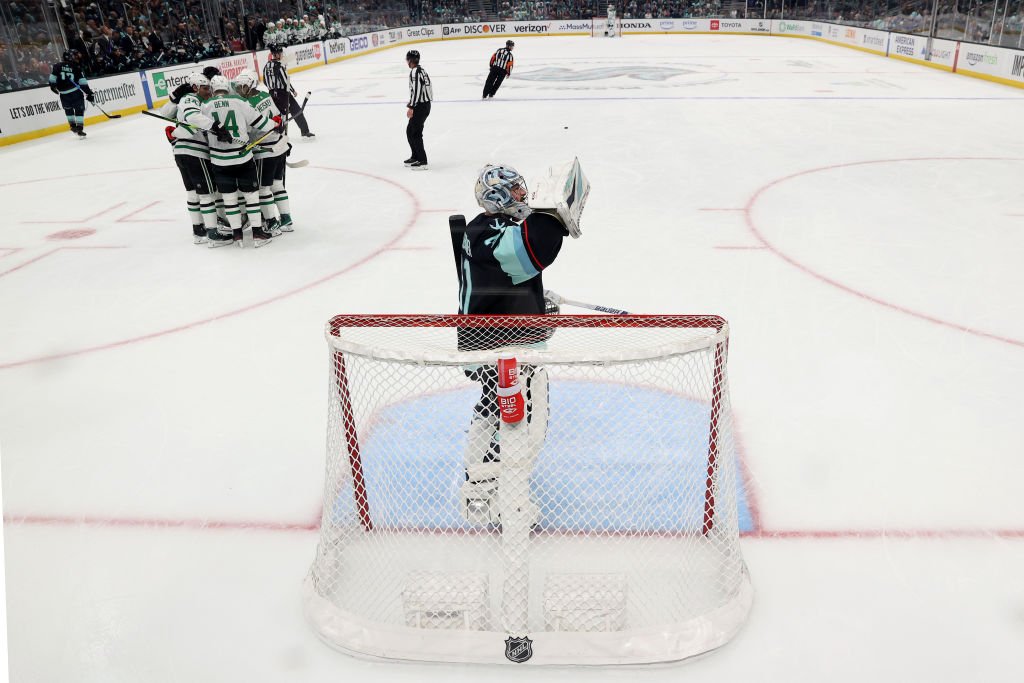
(494, 79)
(286, 104)
(414, 131)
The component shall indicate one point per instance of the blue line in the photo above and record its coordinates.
(714, 97)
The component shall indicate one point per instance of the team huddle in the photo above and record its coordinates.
(230, 145)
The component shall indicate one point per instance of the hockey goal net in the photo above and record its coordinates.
(606, 27)
(601, 528)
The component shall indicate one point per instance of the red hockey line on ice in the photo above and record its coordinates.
(124, 219)
(158, 523)
(851, 290)
(42, 256)
(870, 534)
(153, 335)
(760, 534)
(84, 220)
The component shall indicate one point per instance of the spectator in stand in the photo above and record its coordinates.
(126, 41)
(101, 49)
(118, 62)
(6, 82)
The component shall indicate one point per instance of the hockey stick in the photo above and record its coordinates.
(559, 299)
(281, 129)
(109, 116)
(180, 123)
(297, 164)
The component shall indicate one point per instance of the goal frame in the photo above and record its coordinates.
(484, 321)
(363, 635)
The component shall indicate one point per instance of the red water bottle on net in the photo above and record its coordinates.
(510, 395)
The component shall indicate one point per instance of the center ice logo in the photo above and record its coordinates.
(643, 73)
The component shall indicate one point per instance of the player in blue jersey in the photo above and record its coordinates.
(68, 80)
(500, 256)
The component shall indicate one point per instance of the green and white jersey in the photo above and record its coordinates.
(275, 144)
(239, 120)
(191, 140)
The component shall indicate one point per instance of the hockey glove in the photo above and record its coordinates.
(169, 131)
(90, 97)
(222, 135)
(277, 122)
(180, 92)
(55, 90)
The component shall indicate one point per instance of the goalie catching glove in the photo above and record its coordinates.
(562, 194)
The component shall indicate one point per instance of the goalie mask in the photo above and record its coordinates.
(500, 189)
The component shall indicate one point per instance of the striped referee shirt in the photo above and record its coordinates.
(275, 76)
(419, 87)
(503, 60)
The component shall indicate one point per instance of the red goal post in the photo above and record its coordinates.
(610, 533)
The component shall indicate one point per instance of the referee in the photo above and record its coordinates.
(275, 76)
(420, 95)
(501, 66)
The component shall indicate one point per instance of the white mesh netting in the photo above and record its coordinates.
(603, 528)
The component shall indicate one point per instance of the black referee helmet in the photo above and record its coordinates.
(509, 43)
(413, 56)
(276, 49)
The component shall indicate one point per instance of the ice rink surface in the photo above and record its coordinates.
(858, 220)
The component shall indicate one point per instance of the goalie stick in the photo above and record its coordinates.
(109, 116)
(559, 299)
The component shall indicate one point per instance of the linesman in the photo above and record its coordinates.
(501, 66)
(275, 77)
(418, 109)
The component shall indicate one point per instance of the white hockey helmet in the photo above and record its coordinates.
(196, 79)
(494, 186)
(246, 81)
(220, 84)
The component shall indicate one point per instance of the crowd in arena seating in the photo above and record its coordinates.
(117, 36)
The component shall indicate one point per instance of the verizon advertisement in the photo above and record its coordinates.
(26, 111)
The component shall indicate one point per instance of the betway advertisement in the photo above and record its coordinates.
(336, 49)
(30, 110)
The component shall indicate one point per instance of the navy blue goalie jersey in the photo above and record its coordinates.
(500, 264)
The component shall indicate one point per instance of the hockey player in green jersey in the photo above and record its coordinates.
(234, 167)
(270, 156)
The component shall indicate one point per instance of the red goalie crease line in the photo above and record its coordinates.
(313, 526)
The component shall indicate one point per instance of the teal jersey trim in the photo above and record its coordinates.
(512, 255)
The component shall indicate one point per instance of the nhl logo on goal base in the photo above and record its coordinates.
(518, 650)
